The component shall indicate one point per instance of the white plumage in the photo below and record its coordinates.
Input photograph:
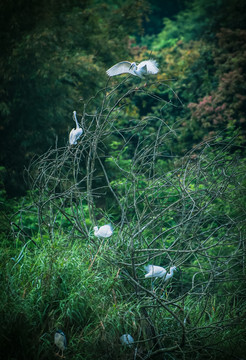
(158, 271)
(170, 274)
(75, 133)
(145, 67)
(154, 271)
(104, 231)
(126, 339)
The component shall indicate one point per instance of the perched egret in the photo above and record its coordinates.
(143, 68)
(154, 271)
(75, 133)
(127, 339)
(104, 231)
(60, 341)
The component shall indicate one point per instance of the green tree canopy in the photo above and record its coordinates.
(53, 58)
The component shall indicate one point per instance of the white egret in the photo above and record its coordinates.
(145, 67)
(127, 339)
(60, 341)
(104, 231)
(75, 133)
(154, 271)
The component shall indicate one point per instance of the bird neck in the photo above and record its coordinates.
(75, 119)
(170, 274)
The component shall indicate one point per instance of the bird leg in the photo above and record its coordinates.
(152, 284)
(60, 356)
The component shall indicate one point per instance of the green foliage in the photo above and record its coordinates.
(7, 208)
(52, 64)
(60, 286)
(205, 60)
(224, 108)
(200, 19)
(162, 161)
(192, 217)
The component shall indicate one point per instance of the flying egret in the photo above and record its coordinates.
(145, 67)
(154, 271)
(104, 231)
(60, 341)
(127, 340)
(75, 133)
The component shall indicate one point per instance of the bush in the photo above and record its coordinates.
(192, 216)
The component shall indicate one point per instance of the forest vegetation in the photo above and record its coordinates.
(160, 159)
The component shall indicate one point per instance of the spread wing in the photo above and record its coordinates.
(120, 68)
(152, 66)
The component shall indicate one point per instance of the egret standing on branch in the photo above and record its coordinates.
(145, 67)
(154, 271)
(75, 133)
(104, 231)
